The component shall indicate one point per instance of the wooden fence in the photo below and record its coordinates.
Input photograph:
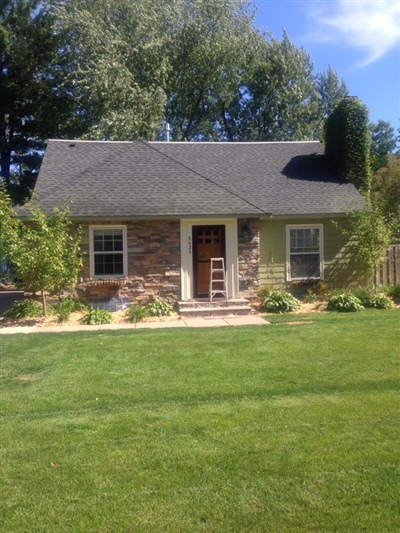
(388, 273)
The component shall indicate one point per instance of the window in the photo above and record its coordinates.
(304, 252)
(108, 251)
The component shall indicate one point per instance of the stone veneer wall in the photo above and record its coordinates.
(249, 258)
(154, 264)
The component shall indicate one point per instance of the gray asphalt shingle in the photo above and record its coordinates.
(140, 179)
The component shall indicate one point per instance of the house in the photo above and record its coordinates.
(154, 213)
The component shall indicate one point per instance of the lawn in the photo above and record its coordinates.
(282, 428)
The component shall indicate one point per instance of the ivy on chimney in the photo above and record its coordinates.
(347, 142)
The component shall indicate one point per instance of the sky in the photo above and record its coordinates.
(360, 39)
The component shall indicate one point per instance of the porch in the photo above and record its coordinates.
(219, 307)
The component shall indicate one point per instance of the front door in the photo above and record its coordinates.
(208, 242)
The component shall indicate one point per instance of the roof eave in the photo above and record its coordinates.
(306, 215)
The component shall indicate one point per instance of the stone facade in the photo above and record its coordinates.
(153, 251)
(154, 262)
(249, 258)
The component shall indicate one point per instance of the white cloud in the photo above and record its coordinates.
(372, 26)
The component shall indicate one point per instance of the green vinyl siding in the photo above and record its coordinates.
(338, 264)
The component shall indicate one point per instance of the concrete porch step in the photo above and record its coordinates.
(216, 308)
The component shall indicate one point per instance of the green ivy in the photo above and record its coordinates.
(347, 142)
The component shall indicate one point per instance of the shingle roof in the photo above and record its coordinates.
(141, 179)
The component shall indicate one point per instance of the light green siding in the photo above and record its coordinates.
(338, 264)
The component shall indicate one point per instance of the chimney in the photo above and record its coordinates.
(167, 131)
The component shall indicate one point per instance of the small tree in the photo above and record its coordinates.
(46, 253)
(371, 234)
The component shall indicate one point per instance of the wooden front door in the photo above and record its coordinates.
(208, 242)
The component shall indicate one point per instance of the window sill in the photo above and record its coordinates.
(107, 281)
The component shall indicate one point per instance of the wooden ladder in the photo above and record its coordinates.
(217, 278)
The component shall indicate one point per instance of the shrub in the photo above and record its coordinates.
(66, 306)
(318, 291)
(393, 291)
(159, 307)
(279, 302)
(323, 290)
(344, 302)
(369, 297)
(136, 313)
(379, 301)
(97, 316)
(264, 292)
(362, 293)
(24, 309)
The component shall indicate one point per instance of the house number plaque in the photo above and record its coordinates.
(190, 245)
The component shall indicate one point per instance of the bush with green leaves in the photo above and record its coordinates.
(393, 291)
(264, 291)
(66, 306)
(378, 301)
(279, 302)
(136, 313)
(24, 309)
(318, 292)
(159, 307)
(344, 302)
(373, 298)
(97, 316)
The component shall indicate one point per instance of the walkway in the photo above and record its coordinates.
(251, 320)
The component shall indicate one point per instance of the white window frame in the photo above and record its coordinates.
(124, 251)
(320, 227)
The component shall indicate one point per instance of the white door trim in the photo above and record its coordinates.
(231, 248)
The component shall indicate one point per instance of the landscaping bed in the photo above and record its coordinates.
(74, 319)
(120, 317)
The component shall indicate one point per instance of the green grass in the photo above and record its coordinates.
(282, 428)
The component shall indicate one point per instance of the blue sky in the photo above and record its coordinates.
(360, 39)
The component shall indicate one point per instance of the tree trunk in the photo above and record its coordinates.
(44, 303)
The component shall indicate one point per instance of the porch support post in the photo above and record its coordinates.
(232, 267)
(186, 260)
